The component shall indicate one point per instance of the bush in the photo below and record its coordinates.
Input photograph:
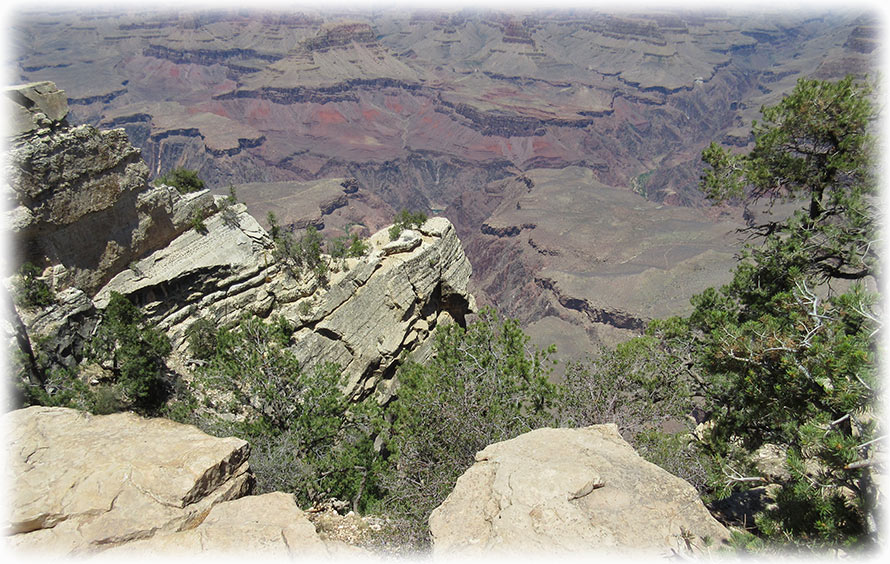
(483, 385)
(197, 220)
(135, 351)
(295, 255)
(29, 290)
(406, 220)
(202, 338)
(183, 179)
(307, 438)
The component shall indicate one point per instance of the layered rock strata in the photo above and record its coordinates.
(84, 213)
(79, 197)
(571, 490)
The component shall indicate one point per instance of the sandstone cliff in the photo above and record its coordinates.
(84, 212)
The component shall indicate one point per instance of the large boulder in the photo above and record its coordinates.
(81, 483)
(128, 486)
(571, 490)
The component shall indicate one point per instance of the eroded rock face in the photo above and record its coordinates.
(571, 490)
(80, 200)
(371, 310)
(84, 209)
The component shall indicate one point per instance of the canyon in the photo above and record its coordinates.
(563, 145)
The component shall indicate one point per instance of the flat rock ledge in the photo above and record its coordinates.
(82, 484)
(571, 491)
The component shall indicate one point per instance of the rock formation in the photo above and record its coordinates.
(84, 212)
(432, 110)
(81, 484)
(571, 490)
(79, 197)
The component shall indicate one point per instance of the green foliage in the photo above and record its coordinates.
(227, 210)
(202, 339)
(357, 247)
(482, 386)
(297, 255)
(183, 179)
(29, 290)
(634, 385)
(787, 361)
(135, 351)
(406, 220)
(815, 145)
(197, 220)
(306, 436)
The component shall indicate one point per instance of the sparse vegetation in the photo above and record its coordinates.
(297, 255)
(183, 179)
(406, 220)
(197, 218)
(29, 290)
(227, 210)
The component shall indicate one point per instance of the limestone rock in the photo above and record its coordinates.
(265, 526)
(80, 195)
(34, 105)
(571, 490)
(82, 483)
(392, 310)
(364, 319)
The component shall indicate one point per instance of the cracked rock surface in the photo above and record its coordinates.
(571, 490)
(81, 483)
(130, 486)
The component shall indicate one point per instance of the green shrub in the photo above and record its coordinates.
(296, 255)
(29, 290)
(406, 220)
(357, 247)
(183, 179)
(202, 340)
(135, 351)
(197, 220)
(482, 386)
(307, 438)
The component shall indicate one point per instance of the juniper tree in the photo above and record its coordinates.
(786, 351)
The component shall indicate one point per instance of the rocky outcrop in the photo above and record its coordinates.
(571, 490)
(387, 305)
(369, 312)
(128, 486)
(80, 199)
(99, 228)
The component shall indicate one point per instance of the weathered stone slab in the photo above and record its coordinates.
(81, 483)
(571, 490)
